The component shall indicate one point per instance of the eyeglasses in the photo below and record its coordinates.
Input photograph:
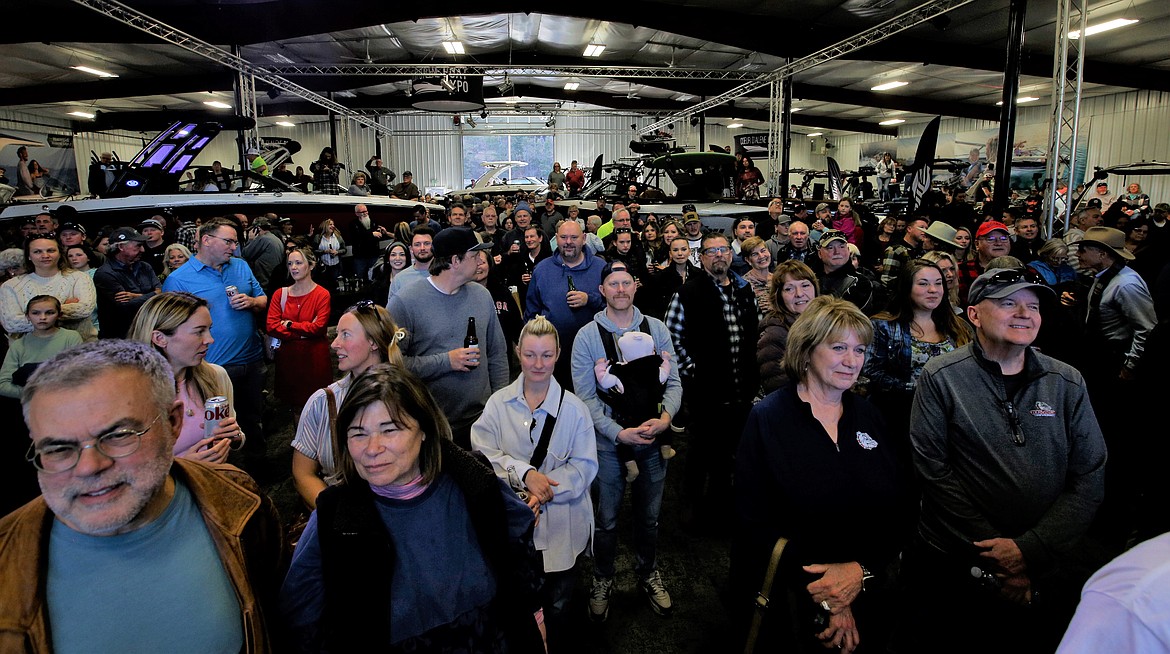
(711, 252)
(62, 457)
(230, 241)
(996, 239)
(1012, 276)
(362, 306)
(366, 213)
(1014, 421)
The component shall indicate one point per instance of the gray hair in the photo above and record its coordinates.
(12, 258)
(81, 364)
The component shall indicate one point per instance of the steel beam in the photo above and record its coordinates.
(1007, 117)
(132, 17)
(897, 24)
(1068, 67)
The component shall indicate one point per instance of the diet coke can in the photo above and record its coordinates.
(214, 410)
(230, 290)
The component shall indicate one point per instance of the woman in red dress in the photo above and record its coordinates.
(298, 316)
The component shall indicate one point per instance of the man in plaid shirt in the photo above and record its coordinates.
(909, 249)
(713, 323)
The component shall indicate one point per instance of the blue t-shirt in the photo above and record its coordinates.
(160, 588)
(236, 340)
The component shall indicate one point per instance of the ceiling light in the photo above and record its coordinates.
(285, 123)
(1020, 100)
(594, 49)
(1103, 27)
(892, 121)
(217, 104)
(81, 114)
(453, 47)
(734, 125)
(796, 109)
(572, 86)
(887, 86)
(94, 71)
(814, 134)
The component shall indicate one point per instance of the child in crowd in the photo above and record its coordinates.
(44, 342)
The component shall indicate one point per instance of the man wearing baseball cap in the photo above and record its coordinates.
(435, 313)
(693, 232)
(1101, 194)
(256, 163)
(1011, 464)
(124, 282)
(153, 229)
(992, 240)
(837, 276)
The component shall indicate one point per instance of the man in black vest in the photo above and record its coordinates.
(713, 323)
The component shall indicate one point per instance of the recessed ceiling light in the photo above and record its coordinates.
(1103, 27)
(1020, 100)
(81, 114)
(815, 134)
(594, 49)
(453, 47)
(887, 86)
(285, 123)
(734, 125)
(892, 121)
(94, 71)
(217, 104)
(572, 86)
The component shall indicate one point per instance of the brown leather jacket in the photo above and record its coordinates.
(241, 520)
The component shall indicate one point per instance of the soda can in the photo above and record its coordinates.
(215, 409)
(231, 290)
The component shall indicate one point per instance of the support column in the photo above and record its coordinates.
(1067, 74)
(245, 101)
(786, 136)
(1007, 114)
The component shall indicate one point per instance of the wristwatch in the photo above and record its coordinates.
(866, 577)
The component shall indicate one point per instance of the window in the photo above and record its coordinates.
(536, 149)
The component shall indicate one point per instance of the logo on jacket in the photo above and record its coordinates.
(1043, 410)
(866, 441)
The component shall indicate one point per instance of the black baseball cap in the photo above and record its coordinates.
(457, 241)
(125, 235)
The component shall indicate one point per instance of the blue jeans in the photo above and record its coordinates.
(609, 487)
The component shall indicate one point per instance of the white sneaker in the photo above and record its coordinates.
(599, 598)
(656, 592)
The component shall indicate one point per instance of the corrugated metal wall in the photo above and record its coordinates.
(1122, 128)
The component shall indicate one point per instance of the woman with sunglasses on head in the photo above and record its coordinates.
(47, 272)
(419, 547)
(298, 316)
(918, 325)
(366, 336)
(178, 325)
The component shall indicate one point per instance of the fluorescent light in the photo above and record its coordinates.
(1020, 100)
(572, 86)
(734, 125)
(684, 97)
(796, 109)
(814, 134)
(285, 123)
(887, 86)
(217, 104)
(453, 47)
(94, 71)
(892, 121)
(1103, 27)
(81, 114)
(594, 49)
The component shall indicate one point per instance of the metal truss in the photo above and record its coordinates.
(775, 146)
(1068, 67)
(246, 103)
(485, 70)
(897, 24)
(144, 23)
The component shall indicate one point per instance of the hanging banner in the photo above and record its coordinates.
(38, 165)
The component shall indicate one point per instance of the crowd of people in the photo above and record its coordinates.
(911, 413)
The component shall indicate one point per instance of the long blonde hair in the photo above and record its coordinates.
(165, 313)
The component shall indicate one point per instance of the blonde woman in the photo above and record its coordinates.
(329, 246)
(366, 337)
(178, 325)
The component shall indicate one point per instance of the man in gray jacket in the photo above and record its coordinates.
(1011, 463)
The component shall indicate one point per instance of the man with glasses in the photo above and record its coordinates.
(233, 296)
(1011, 464)
(992, 240)
(714, 324)
(129, 548)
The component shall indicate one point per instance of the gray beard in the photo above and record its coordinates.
(365, 222)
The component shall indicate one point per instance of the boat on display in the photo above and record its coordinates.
(703, 181)
(161, 180)
(491, 183)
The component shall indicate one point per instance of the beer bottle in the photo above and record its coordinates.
(572, 286)
(472, 341)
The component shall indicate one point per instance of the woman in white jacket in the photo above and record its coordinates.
(539, 438)
(47, 272)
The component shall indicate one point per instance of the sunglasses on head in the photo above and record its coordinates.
(364, 305)
(1019, 275)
